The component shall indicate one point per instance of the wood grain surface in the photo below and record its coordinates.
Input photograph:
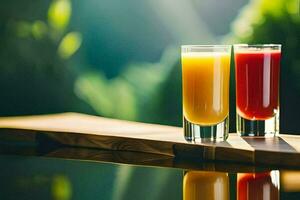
(79, 130)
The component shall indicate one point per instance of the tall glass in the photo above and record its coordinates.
(257, 89)
(205, 83)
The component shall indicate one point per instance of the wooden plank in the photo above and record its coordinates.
(146, 159)
(97, 132)
(129, 157)
(119, 157)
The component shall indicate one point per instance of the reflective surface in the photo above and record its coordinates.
(25, 177)
(32, 177)
(42, 169)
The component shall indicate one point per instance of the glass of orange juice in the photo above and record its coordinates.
(205, 84)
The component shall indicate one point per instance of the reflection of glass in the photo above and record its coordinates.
(258, 186)
(205, 82)
(257, 89)
(205, 185)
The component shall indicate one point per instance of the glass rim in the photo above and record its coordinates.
(257, 45)
(187, 49)
(200, 46)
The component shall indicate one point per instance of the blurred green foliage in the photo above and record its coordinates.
(135, 94)
(35, 76)
(38, 177)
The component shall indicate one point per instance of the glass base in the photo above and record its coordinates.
(266, 128)
(198, 133)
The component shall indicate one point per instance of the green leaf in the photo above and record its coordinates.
(93, 88)
(23, 29)
(59, 14)
(110, 98)
(39, 29)
(69, 44)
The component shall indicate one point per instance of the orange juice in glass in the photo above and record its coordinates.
(205, 83)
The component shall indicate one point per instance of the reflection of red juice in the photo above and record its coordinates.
(257, 83)
(256, 186)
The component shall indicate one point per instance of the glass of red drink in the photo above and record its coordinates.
(257, 89)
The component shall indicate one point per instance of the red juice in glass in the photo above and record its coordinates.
(257, 89)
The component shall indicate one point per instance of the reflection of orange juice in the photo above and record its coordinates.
(205, 185)
(205, 78)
